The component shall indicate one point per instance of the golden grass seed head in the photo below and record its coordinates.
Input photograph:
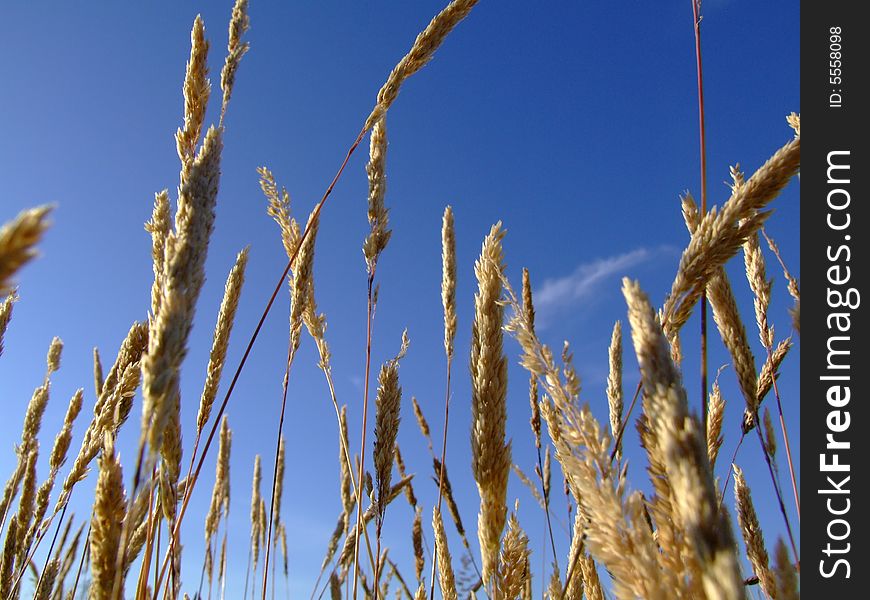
(715, 417)
(446, 578)
(535, 420)
(491, 454)
(727, 318)
(614, 383)
(379, 234)
(421, 52)
(721, 233)
(279, 480)
(26, 502)
(279, 209)
(302, 286)
(752, 534)
(159, 227)
(347, 497)
(530, 485)
(769, 372)
(236, 49)
(512, 566)
(409, 489)
(794, 121)
(106, 523)
(769, 434)
(684, 451)
(448, 279)
(387, 407)
(196, 90)
(6, 315)
(422, 423)
(221, 339)
(255, 509)
(417, 543)
(184, 276)
(18, 239)
(787, 583)
(7, 562)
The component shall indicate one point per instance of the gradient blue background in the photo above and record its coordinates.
(573, 123)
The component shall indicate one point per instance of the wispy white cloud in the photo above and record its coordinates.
(562, 292)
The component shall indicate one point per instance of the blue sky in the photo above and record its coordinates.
(575, 124)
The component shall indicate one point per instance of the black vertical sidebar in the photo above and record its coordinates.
(835, 268)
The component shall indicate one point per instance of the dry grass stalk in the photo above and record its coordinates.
(614, 384)
(491, 455)
(29, 443)
(793, 286)
(183, 278)
(7, 562)
(334, 587)
(67, 562)
(422, 423)
(279, 209)
(583, 449)
(341, 527)
(197, 90)
(720, 234)
(574, 584)
(219, 504)
(535, 419)
(536, 494)
(10, 490)
(687, 465)
(106, 523)
(452, 507)
(379, 234)
(787, 587)
(756, 274)
(769, 372)
(421, 52)
(56, 460)
(448, 300)
(6, 315)
(347, 494)
(591, 584)
(346, 557)
(715, 416)
(221, 340)
(48, 577)
(18, 239)
(256, 500)
(302, 288)
(752, 535)
(769, 434)
(409, 489)
(159, 227)
(794, 121)
(554, 589)
(448, 279)
(725, 311)
(279, 483)
(417, 543)
(39, 399)
(387, 405)
(529, 311)
(512, 565)
(236, 49)
(98, 372)
(446, 578)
